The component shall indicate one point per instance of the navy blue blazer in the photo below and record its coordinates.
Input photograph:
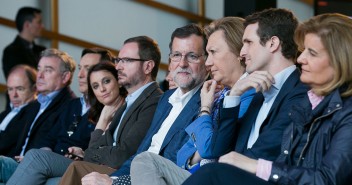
(44, 123)
(267, 146)
(176, 136)
(8, 137)
(59, 140)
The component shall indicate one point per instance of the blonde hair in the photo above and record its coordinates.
(233, 29)
(334, 31)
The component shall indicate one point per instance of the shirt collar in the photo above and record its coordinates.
(44, 99)
(178, 96)
(17, 109)
(280, 79)
(83, 102)
(132, 97)
(25, 42)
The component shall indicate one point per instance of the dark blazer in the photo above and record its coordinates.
(44, 123)
(18, 52)
(132, 130)
(317, 147)
(268, 143)
(59, 140)
(176, 136)
(8, 137)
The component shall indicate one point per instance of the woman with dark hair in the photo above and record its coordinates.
(104, 93)
(316, 147)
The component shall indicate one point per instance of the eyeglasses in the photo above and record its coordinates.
(190, 57)
(127, 60)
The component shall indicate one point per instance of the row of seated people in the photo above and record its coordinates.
(259, 120)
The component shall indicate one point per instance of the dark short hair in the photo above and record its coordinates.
(25, 14)
(276, 22)
(187, 31)
(148, 50)
(105, 55)
(96, 106)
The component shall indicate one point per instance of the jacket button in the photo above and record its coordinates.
(338, 105)
(289, 113)
(286, 152)
(275, 176)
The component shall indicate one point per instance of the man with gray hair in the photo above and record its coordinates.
(55, 71)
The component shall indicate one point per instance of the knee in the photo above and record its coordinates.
(4, 161)
(144, 156)
(33, 153)
(74, 164)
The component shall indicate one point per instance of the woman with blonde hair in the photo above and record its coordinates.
(223, 47)
(316, 147)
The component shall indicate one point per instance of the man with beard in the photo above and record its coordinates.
(137, 65)
(176, 108)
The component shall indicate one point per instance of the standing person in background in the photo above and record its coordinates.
(119, 132)
(23, 49)
(316, 148)
(21, 89)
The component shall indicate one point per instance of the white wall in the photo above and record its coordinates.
(302, 10)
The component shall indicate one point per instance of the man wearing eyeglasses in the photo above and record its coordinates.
(176, 109)
(137, 67)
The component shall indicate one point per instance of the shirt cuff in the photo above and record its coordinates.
(231, 101)
(264, 169)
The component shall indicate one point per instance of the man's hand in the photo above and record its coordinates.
(259, 80)
(240, 161)
(96, 178)
(18, 158)
(75, 153)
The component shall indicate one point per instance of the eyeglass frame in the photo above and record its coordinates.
(187, 54)
(125, 60)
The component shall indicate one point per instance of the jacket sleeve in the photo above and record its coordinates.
(335, 167)
(268, 146)
(102, 152)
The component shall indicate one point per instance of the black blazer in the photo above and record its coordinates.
(18, 52)
(58, 139)
(267, 146)
(8, 137)
(44, 123)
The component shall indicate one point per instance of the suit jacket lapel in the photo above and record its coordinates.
(249, 120)
(146, 93)
(291, 81)
(184, 119)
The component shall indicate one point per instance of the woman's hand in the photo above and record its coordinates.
(207, 94)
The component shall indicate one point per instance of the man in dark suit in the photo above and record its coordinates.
(269, 52)
(73, 128)
(23, 50)
(176, 108)
(21, 89)
(55, 71)
(137, 66)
